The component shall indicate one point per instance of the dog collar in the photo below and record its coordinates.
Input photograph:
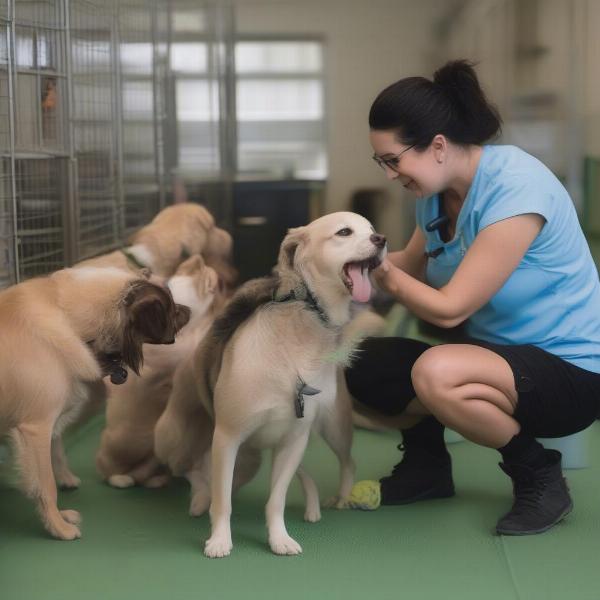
(309, 300)
(111, 364)
(133, 259)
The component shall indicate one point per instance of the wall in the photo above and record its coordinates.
(368, 46)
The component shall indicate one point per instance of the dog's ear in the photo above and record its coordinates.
(193, 264)
(152, 317)
(287, 267)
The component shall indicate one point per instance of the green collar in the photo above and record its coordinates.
(132, 259)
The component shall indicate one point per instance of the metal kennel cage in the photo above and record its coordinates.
(86, 107)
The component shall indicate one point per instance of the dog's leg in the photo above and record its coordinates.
(199, 478)
(312, 511)
(286, 460)
(335, 426)
(65, 478)
(224, 451)
(246, 466)
(32, 444)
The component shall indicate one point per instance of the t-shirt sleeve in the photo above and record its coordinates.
(511, 201)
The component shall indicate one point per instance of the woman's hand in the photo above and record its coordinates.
(383, 276)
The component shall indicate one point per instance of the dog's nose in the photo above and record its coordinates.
(378, 240)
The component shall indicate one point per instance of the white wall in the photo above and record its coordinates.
(369, 44)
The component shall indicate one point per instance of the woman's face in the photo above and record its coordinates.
(420, 171)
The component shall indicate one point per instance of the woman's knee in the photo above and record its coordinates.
(433, 373)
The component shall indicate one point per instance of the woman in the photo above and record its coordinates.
(497, 246)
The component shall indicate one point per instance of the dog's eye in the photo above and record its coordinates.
(346, 231)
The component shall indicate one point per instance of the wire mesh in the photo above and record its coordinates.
(38, 106)
(91, 28)
(40, 191)
(7, 261)
(136, 49)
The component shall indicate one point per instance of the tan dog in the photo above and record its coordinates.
(126, 453)
(60, 335)
(266, 374)
(176, 233)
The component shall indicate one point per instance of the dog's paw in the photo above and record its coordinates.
(68, 481)
(71, 516)
(285, 545)
(199, 504)
(337, 502)
(121, 481)
(62, 530)
(157, 481)
(218, 547)
(312, 515)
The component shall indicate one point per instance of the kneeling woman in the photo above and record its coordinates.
(497, 245)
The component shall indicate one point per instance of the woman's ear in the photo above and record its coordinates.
(439, 146)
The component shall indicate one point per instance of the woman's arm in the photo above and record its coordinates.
(494, 255)
(412, 259)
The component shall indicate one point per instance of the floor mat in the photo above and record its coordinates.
(141, 543)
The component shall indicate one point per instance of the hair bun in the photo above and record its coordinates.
(455, 71)
(458, 79)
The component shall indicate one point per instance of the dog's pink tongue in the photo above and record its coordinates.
(361, 286)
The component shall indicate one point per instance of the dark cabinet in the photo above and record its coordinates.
(263, 211)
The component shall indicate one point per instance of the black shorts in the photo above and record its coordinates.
(555, 398)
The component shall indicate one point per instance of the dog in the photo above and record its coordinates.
(61, 334)
(265, 375)
(176, 233)
(179, 231)
(126, 453)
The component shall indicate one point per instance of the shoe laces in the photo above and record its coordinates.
(528, 492)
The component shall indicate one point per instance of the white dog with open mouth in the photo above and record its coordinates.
(266, 371)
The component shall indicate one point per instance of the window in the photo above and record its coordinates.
(280, 108)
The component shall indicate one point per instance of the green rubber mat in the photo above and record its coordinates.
(141, 543)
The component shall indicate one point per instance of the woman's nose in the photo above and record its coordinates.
(378, 240)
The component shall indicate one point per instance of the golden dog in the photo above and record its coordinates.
(265, 375)
(60, 335)
(176, 233)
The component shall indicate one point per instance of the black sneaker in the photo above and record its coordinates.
(418, 476)
(541, 497)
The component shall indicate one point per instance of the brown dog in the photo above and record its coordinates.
(60, 335)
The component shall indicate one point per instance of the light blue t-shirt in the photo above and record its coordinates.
(552, 299)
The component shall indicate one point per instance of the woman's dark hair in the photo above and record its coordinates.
(453, 104)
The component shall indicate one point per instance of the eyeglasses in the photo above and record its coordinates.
(392, 162)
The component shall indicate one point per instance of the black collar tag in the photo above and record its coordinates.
(303, 389)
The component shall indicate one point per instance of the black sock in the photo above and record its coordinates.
(427, 435)
(524, 449)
